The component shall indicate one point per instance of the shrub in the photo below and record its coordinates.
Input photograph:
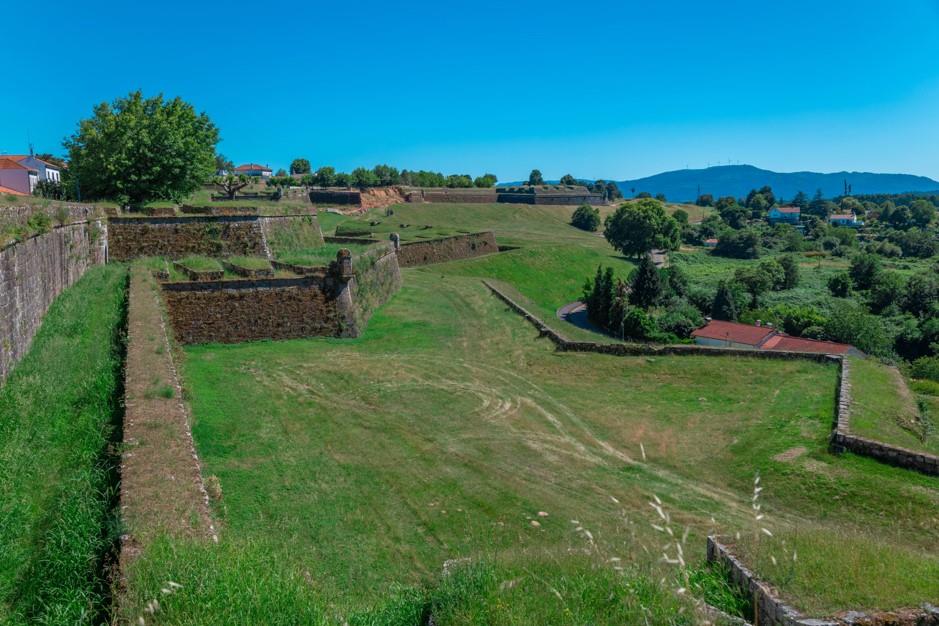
(680, 318)
(864, 270)
(849, 323)
(586, 218)
(839, 285)
(887, 291)
(743, 244)
(638, 325)
(39, 222)
(926, 367)
(790, 271)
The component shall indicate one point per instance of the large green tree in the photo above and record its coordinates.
(535, 178)
(300, 166)
(639, 226)
(139, 149)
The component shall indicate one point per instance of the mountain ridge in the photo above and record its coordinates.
(738, 180)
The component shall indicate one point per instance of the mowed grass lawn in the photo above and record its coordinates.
(352, 470)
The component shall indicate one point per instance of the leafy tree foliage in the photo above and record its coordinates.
(139, 149)
(839, 285)
(790, 268)
(741, 244)
(864, 270)
(485, 181)
(586, 218)
(567, 179)
(535, 178)
(300, 166)
(705, 199)
(638, 227)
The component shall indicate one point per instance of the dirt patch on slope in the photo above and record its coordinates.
(378, 197)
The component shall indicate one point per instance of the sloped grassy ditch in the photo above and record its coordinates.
(62, 416)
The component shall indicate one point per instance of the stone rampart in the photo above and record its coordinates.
(336, 196)
(843, 440)
(445, 249)
(35, 271)
(333, 301)
(770, 610)
(233, 311)
(211, 235)
(176, 237)
(377, 278)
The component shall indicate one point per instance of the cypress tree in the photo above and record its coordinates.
(724, 306)
(646, 284)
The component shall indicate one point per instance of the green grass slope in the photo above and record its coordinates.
(59, 415)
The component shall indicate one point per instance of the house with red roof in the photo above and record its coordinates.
(253, 169)
(722, 334)
(784, 215)
(18, 177)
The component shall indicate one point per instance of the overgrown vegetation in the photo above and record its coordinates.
(61, 416)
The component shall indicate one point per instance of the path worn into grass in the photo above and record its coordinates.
(161, 480)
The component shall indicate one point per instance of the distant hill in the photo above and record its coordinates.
(738, 180)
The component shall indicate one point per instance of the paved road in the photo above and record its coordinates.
(576, 313)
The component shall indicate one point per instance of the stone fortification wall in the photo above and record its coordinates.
(35, 271)
(333, 301)
(248, 310)
(446, 194)
(176, 237)
(445, 249)
(377, 278)
(336, 196)
(842, 439)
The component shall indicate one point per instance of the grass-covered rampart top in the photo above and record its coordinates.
(884, 408)
(59, 418)
(199, 263)
(250, 262)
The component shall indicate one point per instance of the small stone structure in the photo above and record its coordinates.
(35, 271)
(770, 610)
(414, 253)
(333, 301)
(842, 439)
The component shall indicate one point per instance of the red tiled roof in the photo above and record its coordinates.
(842, 216)
(789, 209)
(732, 331)
(11, 191)
(7, 163)
(767, 338)
(251, 166)
(20, 157)
(786, 343)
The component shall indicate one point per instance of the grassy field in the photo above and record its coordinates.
(351, 471)
(60, 413)
(884, 408)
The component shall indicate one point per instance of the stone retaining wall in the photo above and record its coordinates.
(445, 249)
(336, 196)
(176, 237)
(71, 212)
(770, 610)
(34, 272)
(377, 278)
(234, 311)
(842, 439)
(333, 301)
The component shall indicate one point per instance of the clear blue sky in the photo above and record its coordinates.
(613, 90)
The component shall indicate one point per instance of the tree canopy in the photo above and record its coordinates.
(639, 226)
(300, 166)
(535, 178)
(139, 149)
